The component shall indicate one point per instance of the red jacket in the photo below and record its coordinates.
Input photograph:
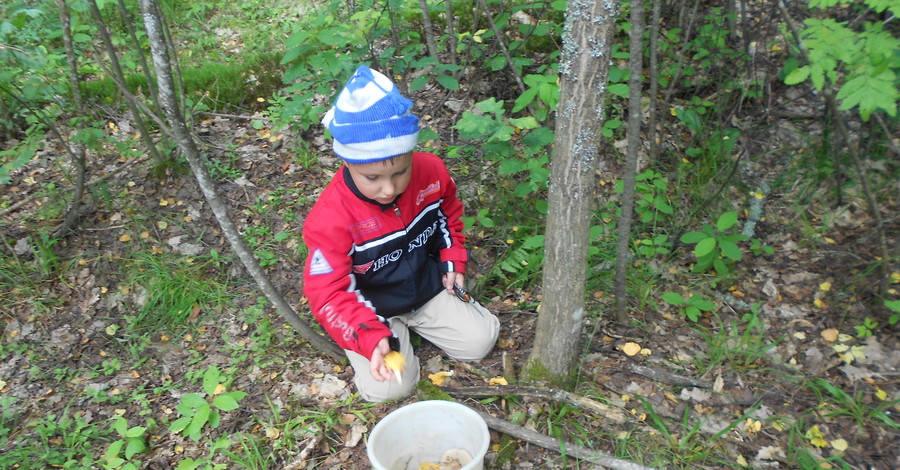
(368, 261)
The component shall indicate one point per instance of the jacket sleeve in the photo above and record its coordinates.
(330, 287)
(453, 254)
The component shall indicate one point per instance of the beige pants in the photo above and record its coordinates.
(465, 331)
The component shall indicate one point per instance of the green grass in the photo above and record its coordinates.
(176, 291)
(57, 439)
(737, 346)
(211, 85)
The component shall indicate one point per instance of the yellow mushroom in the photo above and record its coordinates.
(395, 362)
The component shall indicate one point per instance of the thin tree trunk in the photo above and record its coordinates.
(79, 159)
(654, 81)
(731, 17)
(451, 33)
(685, 41)
(127, 21)
(185, 142)
(499, 38)
(176, 66)
(584, 74)
(429, 33)
(636, 69)
(51, 126)
(116, 70)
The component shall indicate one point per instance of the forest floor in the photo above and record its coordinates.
(730, 396)
(58, 347)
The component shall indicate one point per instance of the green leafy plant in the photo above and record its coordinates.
(206, 463)
(198, 411)
(715, 248)
(542, 93)
(690, 305)
(59, 440)
(132, 441)
(757, 247)
(866, 328)
(894, 306)
(482, 217)
(860, 62)
(522, 262)
(651, 203)
(519, 144)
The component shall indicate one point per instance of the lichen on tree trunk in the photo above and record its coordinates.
(584, 69)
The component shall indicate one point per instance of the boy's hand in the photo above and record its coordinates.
(452, 278)
(376, 365)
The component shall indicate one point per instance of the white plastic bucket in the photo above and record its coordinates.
(423, 431)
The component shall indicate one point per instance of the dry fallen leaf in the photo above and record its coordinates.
(839, 445)
(830, 335)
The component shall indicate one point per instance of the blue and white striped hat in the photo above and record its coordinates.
(370, 120)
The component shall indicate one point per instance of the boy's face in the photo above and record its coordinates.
(382, 181)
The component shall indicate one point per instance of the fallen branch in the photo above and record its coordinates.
(669, 377)
(578, 401)
(538, 439)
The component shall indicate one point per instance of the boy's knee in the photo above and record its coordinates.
(374, 391)
(378, 392)
(480, 342)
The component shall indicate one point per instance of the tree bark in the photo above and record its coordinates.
(451, 33)
(129, 26)
(116, 71)
(185, 142)
(429, 33)
(654, 81)
(584, 72)
(636, 69)
(79, 155)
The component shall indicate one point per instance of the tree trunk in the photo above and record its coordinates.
(584, 72)
(129, 26)
(451, 33)
(652, 135)
(185, 142)
(429, 32)
(498, 36)
(116, 71)
(79, 158)
(636, 69)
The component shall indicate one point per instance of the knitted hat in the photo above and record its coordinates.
(370, 120)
